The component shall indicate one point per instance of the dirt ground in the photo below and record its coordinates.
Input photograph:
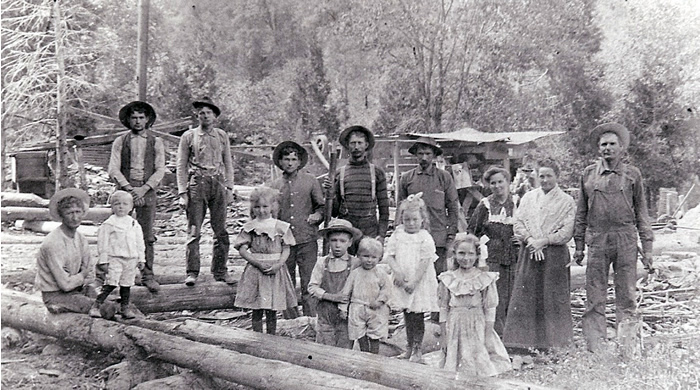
(31, 361)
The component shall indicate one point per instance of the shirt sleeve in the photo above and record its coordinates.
(316, 278)
(102, 234)
(519, 229)
(452, 202)
(64, 280)
(243, 238)
(228, 160)
(159, 172)
(87, 266)
(140, 244)
(562, 235)
(382, 202)
(318, 198)
(384, 285)
(443, 301)
(581, 220)
(646, 235)
(115, 163)
(288, 236)
(476, 222)
(183, 158)
(490, 298)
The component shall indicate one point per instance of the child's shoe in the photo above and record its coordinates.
(127, 313)
(95, 310)
(409, 351)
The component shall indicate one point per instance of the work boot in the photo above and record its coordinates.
(95, 310)
(190, 280)
(152, 285)
(226, 278)
(127, 313)
(417, 356)
(409, 352)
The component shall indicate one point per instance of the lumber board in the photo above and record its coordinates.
(390, 372)
(24, 312)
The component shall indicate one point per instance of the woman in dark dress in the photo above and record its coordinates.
(539, 314)
(493, 217)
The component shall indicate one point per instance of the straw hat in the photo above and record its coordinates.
(341, 225)
(65, 193)
(622, 133)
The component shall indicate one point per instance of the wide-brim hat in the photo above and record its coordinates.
(345, 135)
(65, 193)
(425, 141)
(341, 225)
(301, 153)
(125, 113)
(622, 133)
(206, 101)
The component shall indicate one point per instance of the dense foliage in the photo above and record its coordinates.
(293, 68)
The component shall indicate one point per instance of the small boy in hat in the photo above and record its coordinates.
(120, 246)
(327, 281)
(64, 267)
(301, 204)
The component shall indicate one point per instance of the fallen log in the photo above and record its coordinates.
(95, 214)
(24, 312)
(47, 227)
(175, 297)
(18, 199)
(184, 381)
(389, 372)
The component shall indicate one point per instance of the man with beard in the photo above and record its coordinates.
(360, 186)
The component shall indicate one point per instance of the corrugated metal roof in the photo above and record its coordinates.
(468, 134)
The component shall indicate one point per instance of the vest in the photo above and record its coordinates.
(149, 164)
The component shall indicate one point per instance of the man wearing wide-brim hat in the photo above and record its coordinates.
(137, 165)
(612, 213)
(64, 266)
(301, 204)
(439, 194)
(205, 180)
(360, 186)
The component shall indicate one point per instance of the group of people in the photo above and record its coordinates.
(425, 268)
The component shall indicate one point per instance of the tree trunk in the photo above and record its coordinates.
(96, 214)
(26, 312)
(394, 373)
(61, 145)
(17, 199)
(176, 297)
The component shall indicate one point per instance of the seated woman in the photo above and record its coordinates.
(64, 268)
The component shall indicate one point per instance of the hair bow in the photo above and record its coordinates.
(414, 197)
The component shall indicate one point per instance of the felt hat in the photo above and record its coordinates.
(344, 137)
(125, 113)
(301, 153)
(622, 133)
(206, 102)
(62, 194)
(425, 141)
(341, 225)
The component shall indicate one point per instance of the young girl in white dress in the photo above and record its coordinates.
(468, 299)
(264, 243)
(410, 253)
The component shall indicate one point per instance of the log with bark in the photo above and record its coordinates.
(27, 312)
(17, 199)
(95, 214)
(389, 372)
(175, 297)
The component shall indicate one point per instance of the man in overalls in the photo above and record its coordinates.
(612, 211)
(205, 180)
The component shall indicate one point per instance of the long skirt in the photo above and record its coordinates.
(471, 349)
(539, 314)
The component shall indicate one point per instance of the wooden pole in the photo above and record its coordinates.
(142, 57)
(397, 150)
(22, 311)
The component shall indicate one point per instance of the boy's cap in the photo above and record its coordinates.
(65, 193)
(301, 153)
(341, 225)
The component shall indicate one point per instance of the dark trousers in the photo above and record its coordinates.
(504, 285)
(304, 256)
(620, 250)
(145, 216)
(207, 192)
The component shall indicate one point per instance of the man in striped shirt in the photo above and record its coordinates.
(360, 186)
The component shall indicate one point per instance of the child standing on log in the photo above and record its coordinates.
(468, 299)
(410, 254)
(119, 245)
(264, 242)
(327, 281)
(367, 289)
